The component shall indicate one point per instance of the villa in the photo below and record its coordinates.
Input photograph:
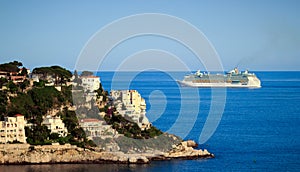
(94, 127)
(55, 125)
(90, 83)
(12, 129)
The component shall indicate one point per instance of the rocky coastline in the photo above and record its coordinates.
(49, 154)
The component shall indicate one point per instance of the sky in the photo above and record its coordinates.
(257, 35)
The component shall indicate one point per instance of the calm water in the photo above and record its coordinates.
(259, 129)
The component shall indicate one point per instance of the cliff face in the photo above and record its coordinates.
(27, 154)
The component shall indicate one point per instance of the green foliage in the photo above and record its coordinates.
(11, 66)
(24, 72)
(12, 87)
(102, 92)
(35, 103)
(70, 119)
(22, 104)
(66, 92)
(152, 132)
(46, 98)
(37, 138)
(3, 81)
(24, 84)
(3, 104)
(131, 129)
(41, 83)
(60, 74)
(54, 136)
(78, 136)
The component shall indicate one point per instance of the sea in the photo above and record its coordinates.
(255, 129)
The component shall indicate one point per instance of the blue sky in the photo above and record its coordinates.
(259, 35)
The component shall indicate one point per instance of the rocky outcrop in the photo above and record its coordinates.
(186, 150)
(27, 154)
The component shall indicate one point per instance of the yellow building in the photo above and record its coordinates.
(129, 103)
(12, 129)
(133, 100)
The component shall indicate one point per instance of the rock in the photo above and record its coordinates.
(123, 159)
(144, 159)
(192, 143)
(184, 144)
(15, 154)
(205, 152)
(132, 160)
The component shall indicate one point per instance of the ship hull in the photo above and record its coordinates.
(217, 85)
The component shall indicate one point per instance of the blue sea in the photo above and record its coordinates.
(259, 129)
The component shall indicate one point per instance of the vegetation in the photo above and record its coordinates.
(3, 104)
(11, 66)
(37, 138)
(3, 81)
(77, 135)
(61, 75)
(102, 92)
(130, 129)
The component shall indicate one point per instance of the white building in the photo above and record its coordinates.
(12, 129)
(129, 103)
(94, 127)
(90, 83)
(55, 125)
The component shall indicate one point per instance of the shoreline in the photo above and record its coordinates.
(25, 154)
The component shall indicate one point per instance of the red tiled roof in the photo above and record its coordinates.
(18, 115)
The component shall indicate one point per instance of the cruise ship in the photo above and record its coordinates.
(233, 78)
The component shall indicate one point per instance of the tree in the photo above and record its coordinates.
(12, 87)
(60, 74)
(3, 81)
(24, 84)
(3, 103)
(24, 72)
(77, 79)
(22, 104)
(10, 67)
(16, 63)
(37, 138)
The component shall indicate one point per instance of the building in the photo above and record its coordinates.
(17, 79)
(3, 74)
(90, 83)
(12, 129)
(132, 106)
(55, 125)
(94, 127)
(131, 99)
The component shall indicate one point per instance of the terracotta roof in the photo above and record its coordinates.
(18, 115)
